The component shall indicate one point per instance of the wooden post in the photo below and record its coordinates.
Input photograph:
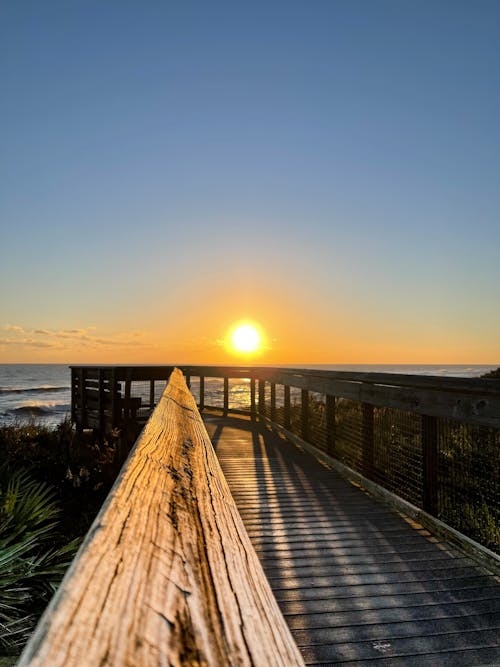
(226, 395)
(100, 402)
(286, 408)
(126, 406)
(330, 424)
(262, 397)
(73, 395)
(151, 394)
(252, 397)
(430, 464)
(368, 444)
(273, 402)
(83, 397)
(202, 392)
(115, 402)
(305, 414)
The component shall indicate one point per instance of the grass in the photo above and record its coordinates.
(8, 660)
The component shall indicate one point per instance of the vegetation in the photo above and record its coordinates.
(52, 484)
(30, 565)
(492, 374)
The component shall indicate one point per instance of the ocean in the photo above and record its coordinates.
(42, 392)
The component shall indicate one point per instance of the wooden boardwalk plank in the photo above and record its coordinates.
(356, 582)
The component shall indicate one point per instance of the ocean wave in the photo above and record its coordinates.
(40, 408)
(44, 389)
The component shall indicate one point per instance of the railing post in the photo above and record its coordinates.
(430, 464)
(73, 395)
(286, 407)
(126, 406)
(305, 414)
(273, 402)
(100, 401)
(83, 398)
(114, 399)
(252, 397)
(226, 395)
(202, 392)
(330, 424)
(262, 397)
(368, 444)
(152, 394)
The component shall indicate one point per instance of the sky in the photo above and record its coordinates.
(327, 169)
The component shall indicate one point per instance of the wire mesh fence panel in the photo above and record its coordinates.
(295, 411)
(159, 388)
(214, 392)
(280, 396)
(317, 420)
(349, 433)
(397, 456)
(194, 386)
(239, 394)
(267, 399)
(279, 410)
(140, 390)
(469, 480)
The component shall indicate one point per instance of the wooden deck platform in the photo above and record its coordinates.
(357, 582)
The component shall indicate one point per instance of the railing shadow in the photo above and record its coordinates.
(354, 579)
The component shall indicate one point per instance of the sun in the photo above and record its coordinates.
(245, 338)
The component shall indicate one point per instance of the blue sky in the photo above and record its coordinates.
(330, 169)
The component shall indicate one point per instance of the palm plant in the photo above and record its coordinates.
(30, 566)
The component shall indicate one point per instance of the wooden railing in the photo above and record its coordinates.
(434, 442)
(167, 574)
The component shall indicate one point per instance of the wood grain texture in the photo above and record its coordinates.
(167, 574)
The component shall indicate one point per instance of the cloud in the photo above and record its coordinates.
(14, 328)
(29, 342)
(81, 336)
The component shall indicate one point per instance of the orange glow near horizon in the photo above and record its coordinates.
(298, 331)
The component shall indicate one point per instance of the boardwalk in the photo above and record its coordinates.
(356, 582)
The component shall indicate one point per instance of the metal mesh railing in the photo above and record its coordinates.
(239, 394)
(469, 479)
(295, 411)
(349, 433)
(267, 400)
(397, 456)
(317, 420)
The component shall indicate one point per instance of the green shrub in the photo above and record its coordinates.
(30, 565)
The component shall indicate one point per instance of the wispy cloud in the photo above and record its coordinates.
(78, 336)
(29, 342)
(14, 328)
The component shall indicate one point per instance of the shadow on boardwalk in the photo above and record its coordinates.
(357, 582)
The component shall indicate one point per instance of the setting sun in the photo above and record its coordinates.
(245, 338)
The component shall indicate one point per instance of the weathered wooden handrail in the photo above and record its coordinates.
(167, 574)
